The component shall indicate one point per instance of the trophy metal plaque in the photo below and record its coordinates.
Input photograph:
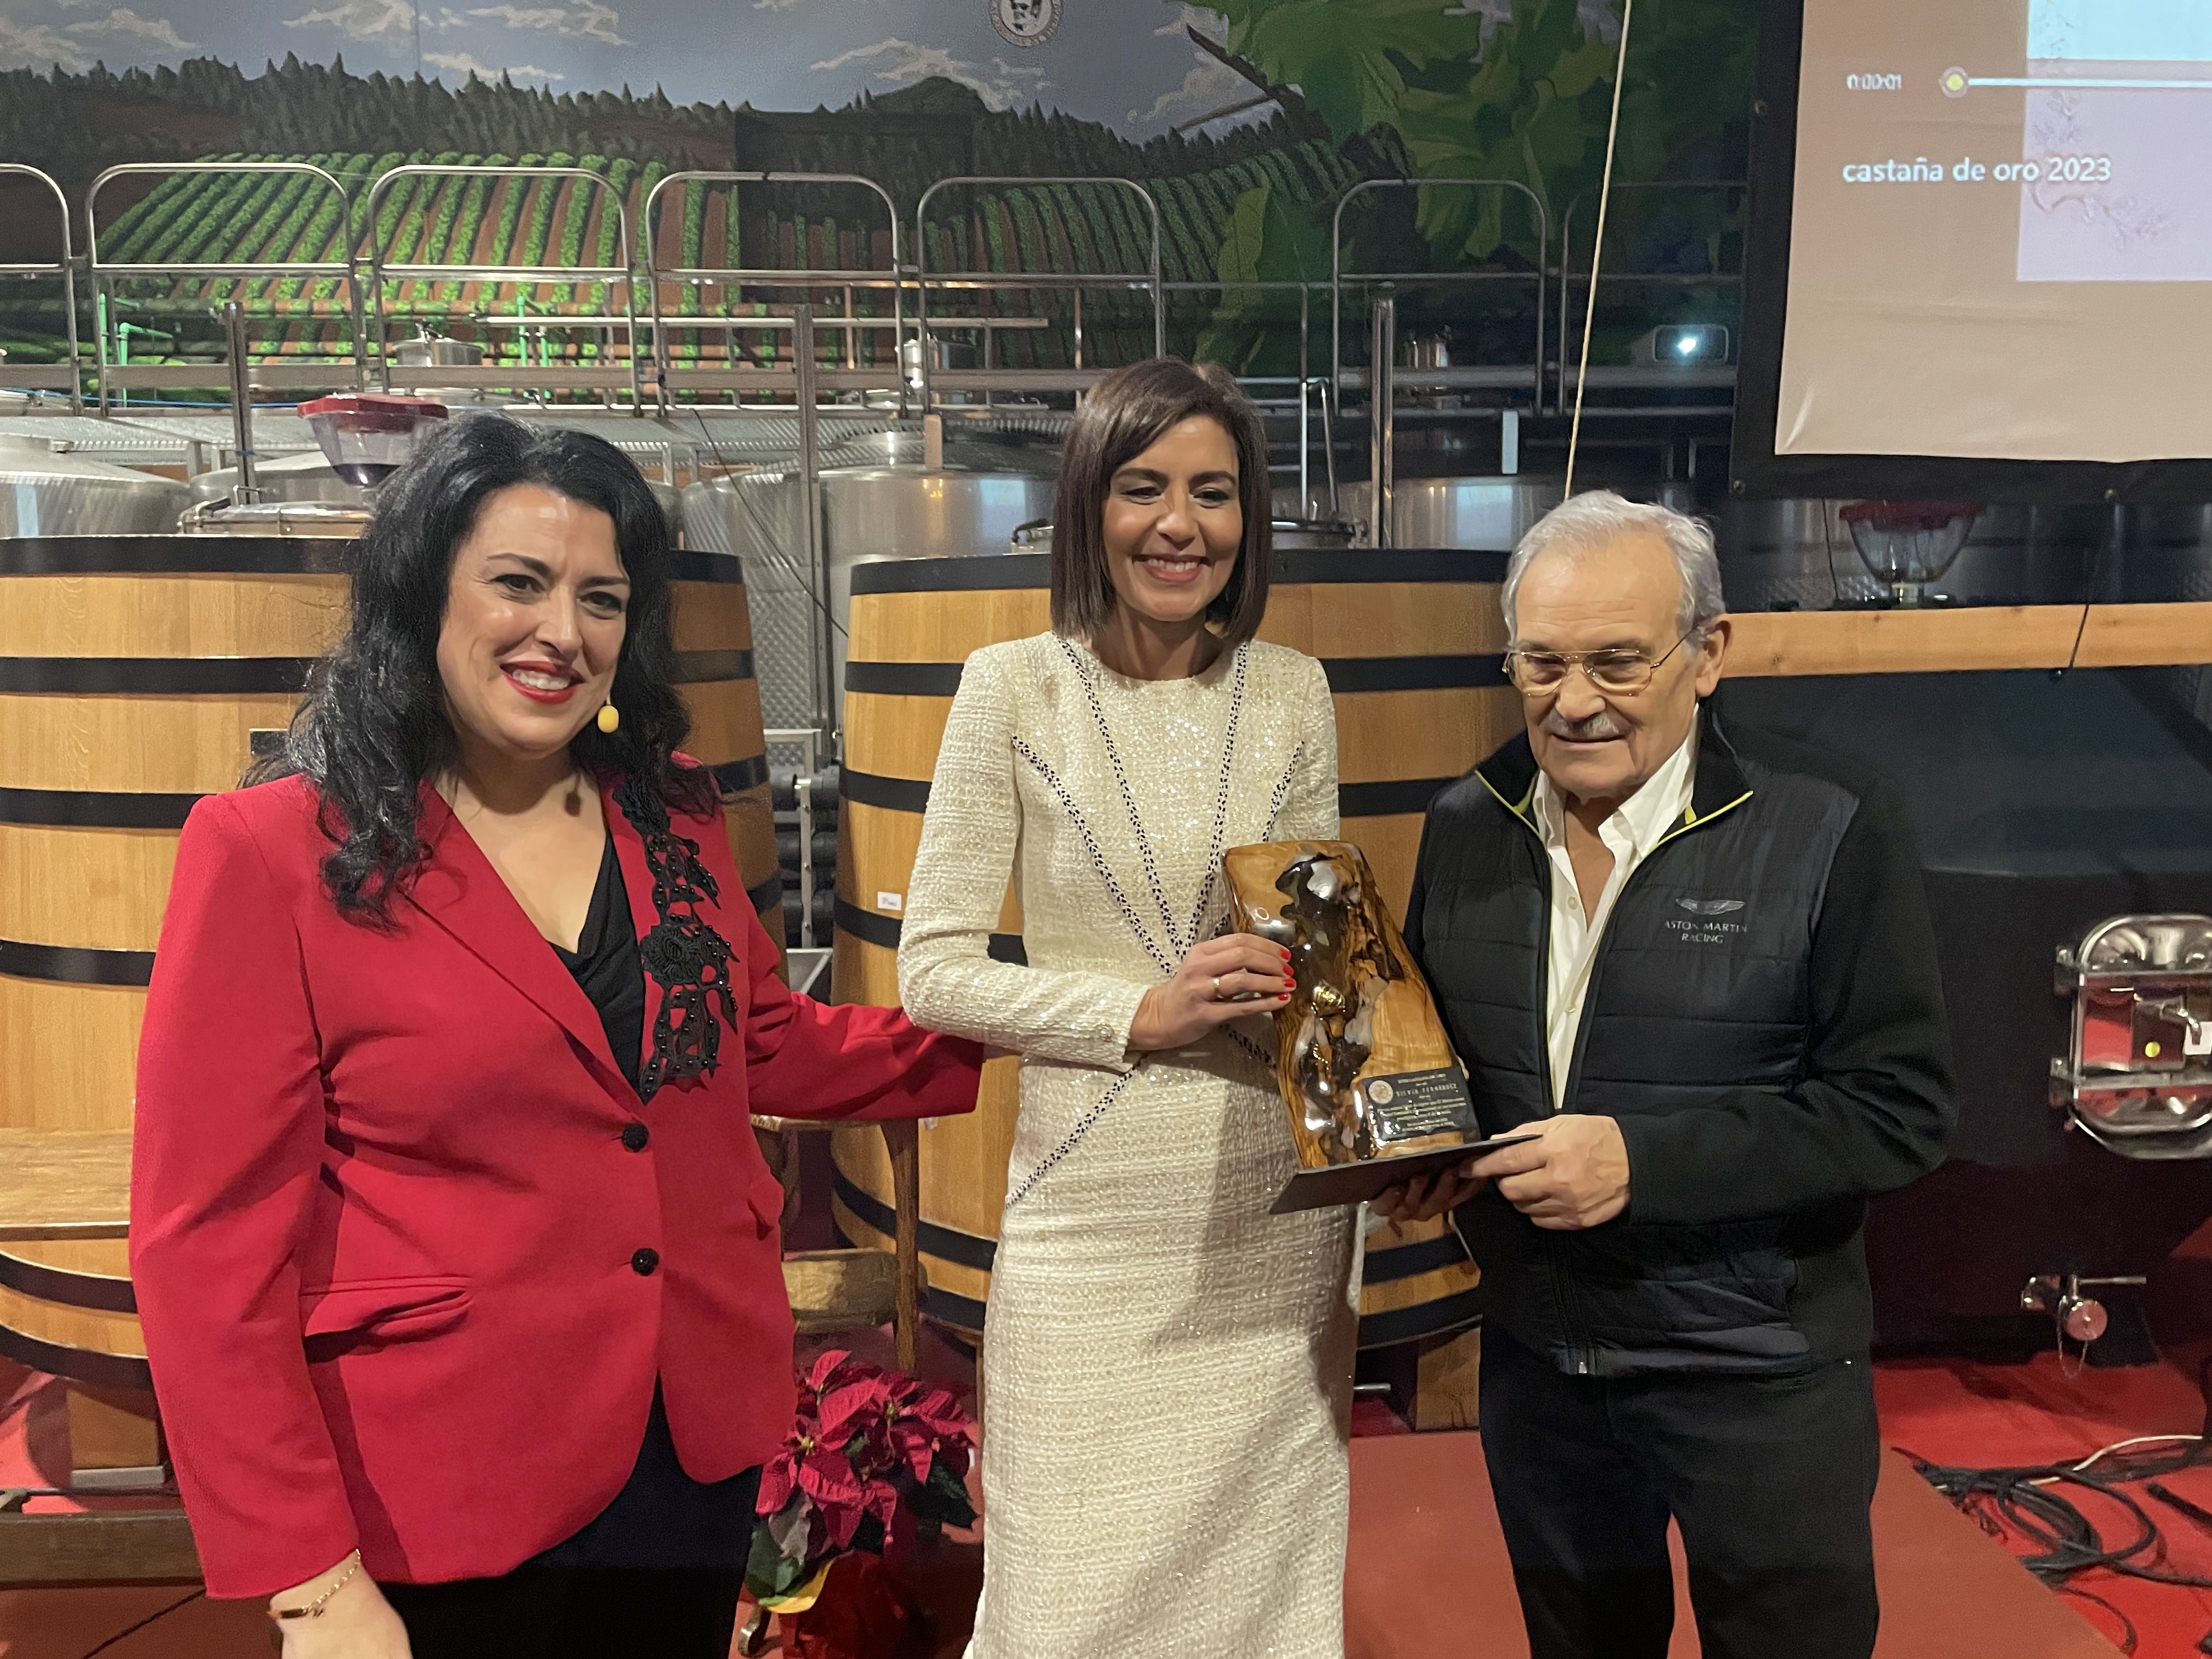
(1375, 1095)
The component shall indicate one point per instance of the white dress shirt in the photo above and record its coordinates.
(1636, 825)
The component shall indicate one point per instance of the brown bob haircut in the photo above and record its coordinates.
(1125, 415)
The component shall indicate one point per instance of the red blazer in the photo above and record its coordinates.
(395, 1259)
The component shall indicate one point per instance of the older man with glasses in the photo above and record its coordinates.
(1695, 965)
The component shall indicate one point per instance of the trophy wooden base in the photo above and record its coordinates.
(1350, 1183)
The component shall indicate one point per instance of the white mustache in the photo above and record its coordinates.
(1595, 729)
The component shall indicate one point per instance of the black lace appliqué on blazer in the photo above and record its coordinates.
(686, 957)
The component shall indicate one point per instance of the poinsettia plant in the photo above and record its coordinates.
(865, 1441)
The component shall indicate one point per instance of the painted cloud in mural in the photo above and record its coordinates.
(373, 19)
(896, 63)
(466, 62)
(584, 21)
(123, 22)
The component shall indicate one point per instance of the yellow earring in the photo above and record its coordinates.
(610, 717)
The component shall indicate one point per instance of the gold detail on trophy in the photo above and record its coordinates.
(1373, 1090)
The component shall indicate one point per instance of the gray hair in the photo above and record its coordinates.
(1598, 516)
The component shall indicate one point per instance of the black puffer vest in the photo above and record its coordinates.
(1700, 982)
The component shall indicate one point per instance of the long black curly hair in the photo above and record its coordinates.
(374, 724)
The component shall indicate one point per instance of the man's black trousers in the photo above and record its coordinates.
(1770, 1479)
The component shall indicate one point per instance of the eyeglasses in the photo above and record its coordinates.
(1622, 672)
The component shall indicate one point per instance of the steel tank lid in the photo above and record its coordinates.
(879, 470)
(28, 459)
(173, 553)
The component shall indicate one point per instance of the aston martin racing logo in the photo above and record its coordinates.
(1710, 907)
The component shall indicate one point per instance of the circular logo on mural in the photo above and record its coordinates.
(1025, 23)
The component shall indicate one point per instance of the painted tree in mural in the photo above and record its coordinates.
(1450, 94)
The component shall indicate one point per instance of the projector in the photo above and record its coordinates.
(1681, 345)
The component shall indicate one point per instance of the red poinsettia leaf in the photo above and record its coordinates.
(818, 1373)
(883, 1502)
(848, 1407)
(826, 1477)
(779, 1479)
(954, 1425)
(915, 1447)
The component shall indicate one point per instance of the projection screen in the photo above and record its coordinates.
(1981, 237)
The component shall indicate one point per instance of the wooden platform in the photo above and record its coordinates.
(64, 1183)
(1969, 637)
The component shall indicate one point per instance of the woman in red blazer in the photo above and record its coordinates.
(457, 1263)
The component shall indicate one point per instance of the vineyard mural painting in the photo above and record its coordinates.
(1241, 126)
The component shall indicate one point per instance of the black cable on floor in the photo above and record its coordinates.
(2032, 1500)
(150, 1618)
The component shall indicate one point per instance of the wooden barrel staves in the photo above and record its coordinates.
(137, 674)
(714, 632)
(1412, 641)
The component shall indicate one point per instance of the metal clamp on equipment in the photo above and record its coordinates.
(2138, 1076)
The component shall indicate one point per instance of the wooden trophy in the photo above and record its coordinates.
(1375, 1094)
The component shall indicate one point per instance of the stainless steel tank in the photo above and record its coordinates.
(1793, 555)
(302, 477)
(1311, 536)
(869, 514)
(1798, 555)
(671, 508)
(309, 478)
(1289, 536)
(1483, 515)
(46, 492)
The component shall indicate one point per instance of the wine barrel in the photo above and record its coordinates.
(134, 673)
(1411, 643)
(713, 629)
(138, 673)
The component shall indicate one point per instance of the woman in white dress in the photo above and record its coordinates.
(1167, 1367)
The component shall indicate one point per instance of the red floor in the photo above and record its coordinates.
(1427, 1577)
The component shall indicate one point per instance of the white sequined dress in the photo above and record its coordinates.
(1167, 1367)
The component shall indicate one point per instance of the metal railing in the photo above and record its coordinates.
(1436, 378)
(916, 333)
(733, 379)
(106, 272)
(49, 377)
(988, 380)
(382, 270)
(1643, 278)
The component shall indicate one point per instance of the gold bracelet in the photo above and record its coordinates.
(314, 1608)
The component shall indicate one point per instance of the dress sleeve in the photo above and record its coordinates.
(226, 1159)
(1309, 809)
(948, 979)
